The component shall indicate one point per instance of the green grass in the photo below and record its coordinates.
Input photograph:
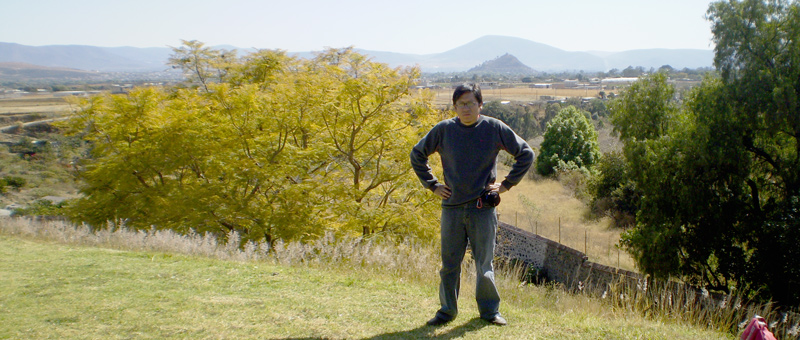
(54, 285)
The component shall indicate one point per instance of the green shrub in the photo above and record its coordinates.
(611, 175)
(612, 192)
(570, 138)
(15, 182)
(43, 207)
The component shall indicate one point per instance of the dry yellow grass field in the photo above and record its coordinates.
(541, 205)
(443, 96)
(45, 103)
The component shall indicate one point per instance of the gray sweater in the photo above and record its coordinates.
(469, 156)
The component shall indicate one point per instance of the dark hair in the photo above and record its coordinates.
(464, 88)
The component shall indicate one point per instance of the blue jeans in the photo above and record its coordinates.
(479, 226)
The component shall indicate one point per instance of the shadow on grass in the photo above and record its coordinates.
(425, 332)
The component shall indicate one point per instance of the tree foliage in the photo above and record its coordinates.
(201, 64)
(719, 175)
(571, 139)
(521, 118)
(597, 107)
(268, 145)
(645, 110)
(612, 190)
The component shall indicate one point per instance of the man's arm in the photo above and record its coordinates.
(522, 153)
(419, 160)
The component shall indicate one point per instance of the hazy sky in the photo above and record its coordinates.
(406, 26)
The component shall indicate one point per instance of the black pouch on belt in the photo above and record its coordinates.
(489, 198)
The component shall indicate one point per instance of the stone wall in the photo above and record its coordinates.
(557, 262)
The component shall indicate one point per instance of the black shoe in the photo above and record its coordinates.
(437, 321)
(498, 320)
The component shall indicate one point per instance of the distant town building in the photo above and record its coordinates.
(121, 89)
(621, 80)
(74, 93)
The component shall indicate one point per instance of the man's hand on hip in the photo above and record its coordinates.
(443, 191)
(496, 187)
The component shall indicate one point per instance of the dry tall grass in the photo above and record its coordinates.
(673, 302)
(409, 258)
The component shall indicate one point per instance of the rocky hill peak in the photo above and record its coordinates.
(507, 64)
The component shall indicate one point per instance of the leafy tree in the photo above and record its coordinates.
(522, 119)
(720, 178)
(369, 127)
(611, 175)
(550, 112)
(645, 110)
(200, 63)
(640, 115)
(573, 101)
(612, 189)
(597, 107)
(268, 145)
(631, 72)
(571, 139)
(666, 69)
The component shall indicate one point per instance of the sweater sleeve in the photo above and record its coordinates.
(522, 153)
(419, 158)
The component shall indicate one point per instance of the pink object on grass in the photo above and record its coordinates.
(757, 330)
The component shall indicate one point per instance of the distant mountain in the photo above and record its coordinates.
(24, 71)
(541, 57)
(538, 56)
(91, 58)
(505, 64)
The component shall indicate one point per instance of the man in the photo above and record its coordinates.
(468, 146)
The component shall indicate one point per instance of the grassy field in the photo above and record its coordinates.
(57, 282)
(44, 176)
(444, 96)
(50, 106)
(45, 103)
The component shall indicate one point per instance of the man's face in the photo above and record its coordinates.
(468, 109)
